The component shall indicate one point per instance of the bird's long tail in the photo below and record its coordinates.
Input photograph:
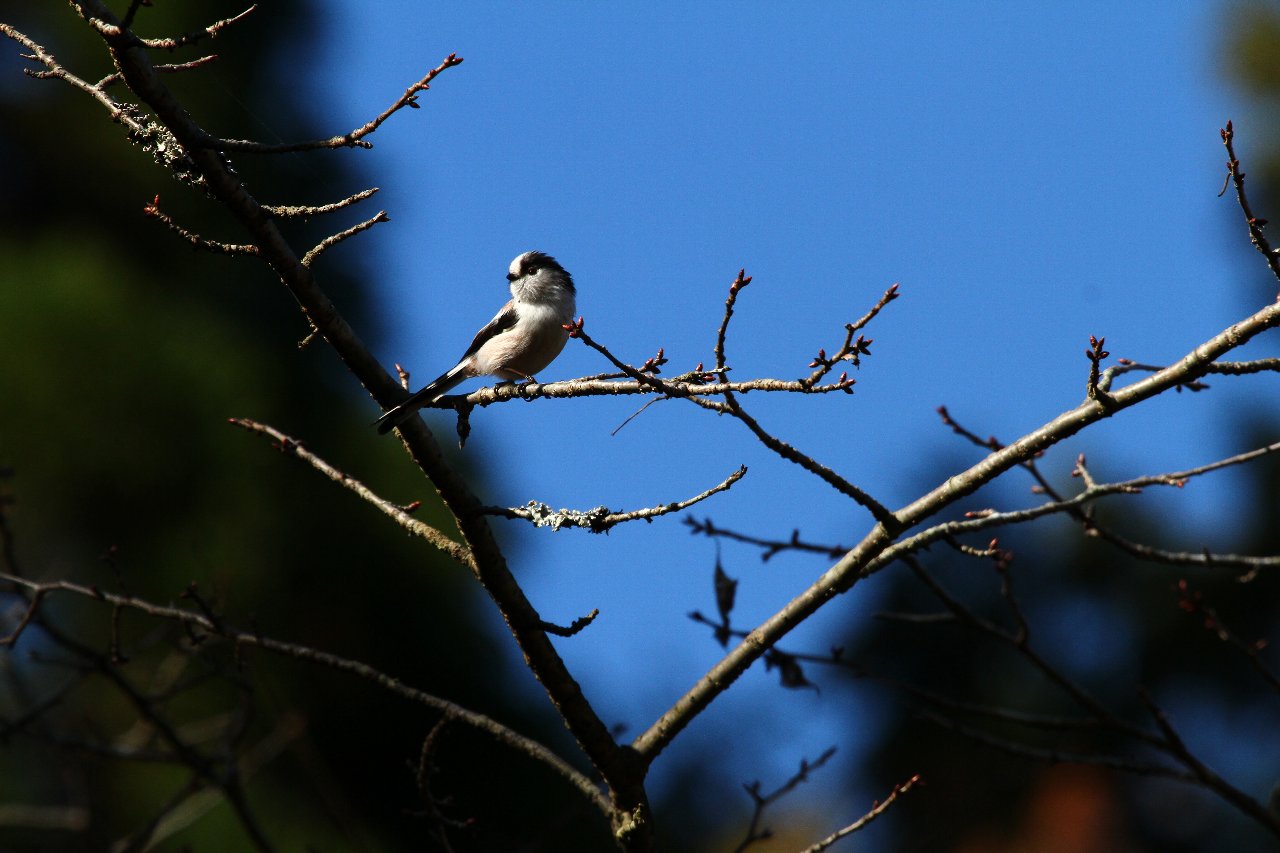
(401, 413)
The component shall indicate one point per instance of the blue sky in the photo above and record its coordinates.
(1028, 177)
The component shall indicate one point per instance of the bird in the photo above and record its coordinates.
(524, 337)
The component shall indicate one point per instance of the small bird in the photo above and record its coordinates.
(525, 336)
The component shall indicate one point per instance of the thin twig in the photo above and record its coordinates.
(1192, 601)
(170, 68)
(192, 37)
(1050, 755)
(770, 547)
(302, 211)
(334, 239)
(421, 529)
(851, 350)
(33, 606)
(986, 520)
(763, 801)
(575, 627)
(1255, 224)
(353, 139)
(738, 283)
(53, 70)
(1167, 741)
(153, 210)
(600, 519)
(239, 638)
(877, 810)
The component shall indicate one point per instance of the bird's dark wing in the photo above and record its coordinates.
(503, 320)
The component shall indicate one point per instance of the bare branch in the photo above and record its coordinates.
(988, 519)
(499, 732)
(865, 556)
(763, 801)
(1167, 741)
(770, 547)
(738, 283)
(1174, 746)
(1255, 224)
(170, 68)
(1204, 557)
(1193, 602)
(153, 210)
(13, 636)
(353, 139)
(851, 350)
(1096, 354)
(600, 519)
(418, 528)
(118, 112)
(1051, 755)
(1221, 368)
(309, 258)
(176, 42)
(877, 810)
(731, 406)
(574, 628)
(300, 211)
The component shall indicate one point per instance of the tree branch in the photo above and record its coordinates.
(238, 638)
(623, 774)
(600, 519)
(399, 514)
(863, 558)
(352, 139)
